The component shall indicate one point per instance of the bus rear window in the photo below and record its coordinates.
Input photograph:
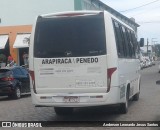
(70, 36)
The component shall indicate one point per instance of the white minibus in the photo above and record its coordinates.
(83, 59)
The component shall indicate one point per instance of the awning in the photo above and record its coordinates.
(22, 40)
(3, 41)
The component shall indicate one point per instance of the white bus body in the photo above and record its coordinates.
(77, 59)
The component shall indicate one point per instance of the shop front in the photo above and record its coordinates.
(4, 49)
(14, 42)
(22, 45)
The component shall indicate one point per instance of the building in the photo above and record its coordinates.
(150, 53)
(17, 17)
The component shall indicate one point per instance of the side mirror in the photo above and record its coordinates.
(141, 42)
(158, 82)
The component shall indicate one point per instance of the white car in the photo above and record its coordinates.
(152, 62)
(142, 64)
(148, 62)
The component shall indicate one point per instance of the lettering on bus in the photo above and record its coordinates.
(86, 60)
(69, 60)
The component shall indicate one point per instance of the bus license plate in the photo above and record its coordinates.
(71, 99)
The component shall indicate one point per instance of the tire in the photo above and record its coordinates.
(136, 97)
(63, 110)
(17, 93)
(124, 106)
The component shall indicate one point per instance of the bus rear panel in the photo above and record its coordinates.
(71, 63)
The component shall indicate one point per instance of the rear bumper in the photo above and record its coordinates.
(85, 99)
(6, 90)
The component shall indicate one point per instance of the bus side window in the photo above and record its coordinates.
(125, 42)
(119, 39)
(130, 44)
(135, 43)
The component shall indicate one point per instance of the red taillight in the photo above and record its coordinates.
(110, 71)
(7, 79)
(33, 80)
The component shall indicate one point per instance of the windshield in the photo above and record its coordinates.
(70, 36)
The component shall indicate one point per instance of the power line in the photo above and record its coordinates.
(145, 22)
(146, 11)
(139, 6)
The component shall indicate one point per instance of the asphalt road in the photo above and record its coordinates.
(146, 109)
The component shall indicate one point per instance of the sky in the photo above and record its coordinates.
(146, 14)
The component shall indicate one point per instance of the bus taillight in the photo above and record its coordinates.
(33, 80)
(110, 71)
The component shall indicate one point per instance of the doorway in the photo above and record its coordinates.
(21, 52)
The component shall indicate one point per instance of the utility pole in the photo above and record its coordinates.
(154, 47)
(147, 46)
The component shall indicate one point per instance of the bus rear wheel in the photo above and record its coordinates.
(63, 110)
(136, 96)
(124, 106)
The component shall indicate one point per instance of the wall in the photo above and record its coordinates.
(145, 48)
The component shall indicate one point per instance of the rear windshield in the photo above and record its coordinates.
(70, 36)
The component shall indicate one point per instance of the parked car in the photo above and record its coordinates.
(148, 62)
(152, 62)
(159, 67)
(145, 64)
(14, 81)
(158, 82)
(142, 64)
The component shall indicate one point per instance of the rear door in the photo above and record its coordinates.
(70, 54)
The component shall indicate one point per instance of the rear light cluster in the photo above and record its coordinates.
(110, 71)
(33, 80)
(7, 79)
